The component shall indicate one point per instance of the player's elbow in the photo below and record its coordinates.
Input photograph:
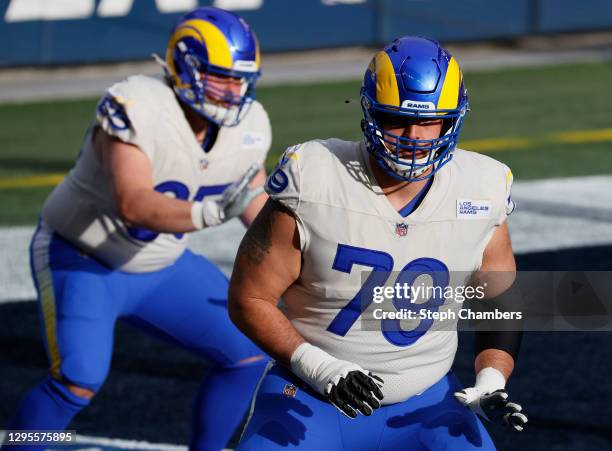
(235, 307)
(239, 317)
(129, 209)
(127, 213)
(235, 316)
(244, 308)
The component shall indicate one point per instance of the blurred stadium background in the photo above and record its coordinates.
(539, 75)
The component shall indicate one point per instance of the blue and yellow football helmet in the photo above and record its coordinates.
(210, 41)
(412, 78)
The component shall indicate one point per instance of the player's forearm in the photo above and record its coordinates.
(251, 212)
(156, 211)
(495, 358)
(267, 264)
(266, 325)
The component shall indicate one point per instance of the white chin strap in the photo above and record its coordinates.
(403, 168)
(406, 168)
(220, 114)
(223, 115)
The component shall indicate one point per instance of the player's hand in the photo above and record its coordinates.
(357, 392)
(235, 199)
(493, 406)
(346, 385)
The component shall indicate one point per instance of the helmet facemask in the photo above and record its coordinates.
(412, 82)
(205, 92)
(405, 158)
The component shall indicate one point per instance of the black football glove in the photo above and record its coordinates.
(494, 407)
(350, 388)
(357, 392)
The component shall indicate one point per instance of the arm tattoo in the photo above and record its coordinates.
(258, 239)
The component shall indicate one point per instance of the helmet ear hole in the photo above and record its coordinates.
(446, 126)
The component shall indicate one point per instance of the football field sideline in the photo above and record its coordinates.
(476, 145)
(28, 84)
(551, 214)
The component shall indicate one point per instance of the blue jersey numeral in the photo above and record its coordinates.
(346, 257)
(421, 266)
(382, 265)
(180, 191)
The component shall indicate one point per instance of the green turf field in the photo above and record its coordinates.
(532, 105)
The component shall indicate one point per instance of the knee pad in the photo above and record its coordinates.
(255, 363)
(258, 359)
(83, 373)
(247, 368)
(60, 392)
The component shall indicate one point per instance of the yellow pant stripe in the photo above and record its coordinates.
(47, 302)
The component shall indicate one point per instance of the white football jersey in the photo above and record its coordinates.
(348, 227)
(144, 111)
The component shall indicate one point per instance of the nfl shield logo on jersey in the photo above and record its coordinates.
(401, 229)
(290, 390)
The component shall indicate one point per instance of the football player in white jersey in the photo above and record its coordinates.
(164, 156)
(403, 199)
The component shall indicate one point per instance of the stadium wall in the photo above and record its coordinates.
(47, 32)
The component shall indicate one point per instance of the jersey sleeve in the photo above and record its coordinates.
(283, 185)
(507, 201)
(123, 114)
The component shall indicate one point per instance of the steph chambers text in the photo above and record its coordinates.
(448, 315)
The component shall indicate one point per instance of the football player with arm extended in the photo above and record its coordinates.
(403, 199)
(164, 156)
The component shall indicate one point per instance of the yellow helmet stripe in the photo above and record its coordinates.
(256, 50)
(218, 49)
(387, 91)
(449, 96)
(213, 39)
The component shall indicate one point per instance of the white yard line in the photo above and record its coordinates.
(551, 214)
(219, 244)
(85, 440)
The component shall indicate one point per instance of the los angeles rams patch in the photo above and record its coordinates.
(473, 209)
(252, 140)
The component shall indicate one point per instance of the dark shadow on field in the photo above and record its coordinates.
(147, 395)
(562, 378)
(562, 381)
(581, 259)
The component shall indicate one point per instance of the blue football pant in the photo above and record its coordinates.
(80, 300)
(284, 418)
